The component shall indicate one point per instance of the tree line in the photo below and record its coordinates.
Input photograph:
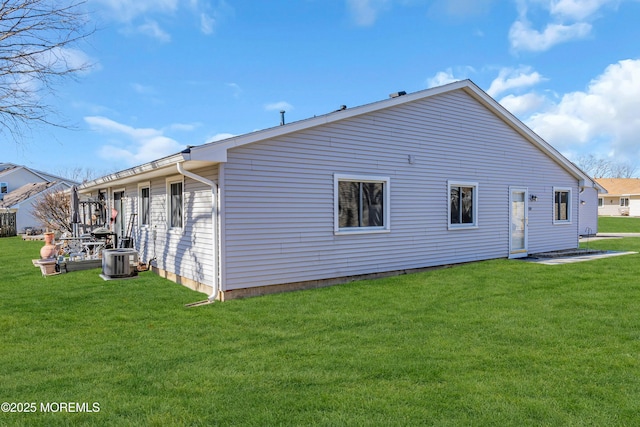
(606, 168)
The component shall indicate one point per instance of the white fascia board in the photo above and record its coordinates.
(136, 173)
(216, 151)
(213, 151)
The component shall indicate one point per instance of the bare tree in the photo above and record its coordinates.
(79, 174)
(605, 168)
(53, 211)
(595, 167)
(623, 170)
(36, 51)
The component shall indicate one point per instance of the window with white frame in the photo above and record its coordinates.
(175, 203)
(561, 205)
(144, 208)
(600, 202)
(624, 202)
(4, 188)
(463, 204)
(361, 203)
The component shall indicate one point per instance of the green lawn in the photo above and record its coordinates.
(501, 342)
(618, 224)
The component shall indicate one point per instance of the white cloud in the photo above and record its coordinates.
(509, 78)
(62, 59)
(449, 76)
(578, 9)
(237, 90)
(207, 23)
(138, 145)
(441, 78)
(127, 10)
(365, 12)
(130, 12)
(566, 20)
(523, 105)
(152, 29)
(606, 114)
(220, 137)
(142, 89)
(524, 38)
(279, 106)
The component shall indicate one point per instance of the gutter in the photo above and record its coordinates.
(214, 225)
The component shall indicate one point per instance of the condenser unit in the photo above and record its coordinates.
(119, 263)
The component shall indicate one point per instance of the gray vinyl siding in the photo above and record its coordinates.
(278, 207)
(186, 252)
(588, 212)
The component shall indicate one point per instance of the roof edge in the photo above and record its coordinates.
(216, 151)
(135, 171)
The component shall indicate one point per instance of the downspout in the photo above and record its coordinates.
(214, 224)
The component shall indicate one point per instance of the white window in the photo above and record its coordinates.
(600, 202)
(624, 201)
(175, 198)
(361, 204)
(562, 205)
(4, 188)
(463, 204)
(144, 204)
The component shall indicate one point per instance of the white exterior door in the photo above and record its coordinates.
(519, 219)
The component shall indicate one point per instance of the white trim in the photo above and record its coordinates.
(221, 230)
(385, 180)
(476, 194)
(216, 152)
(215, 282)
(168, 182)
(142, 185)
(569, 206)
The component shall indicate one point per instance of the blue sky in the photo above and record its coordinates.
(171, 73)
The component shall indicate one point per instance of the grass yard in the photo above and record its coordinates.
(501, 342)
(618, 224)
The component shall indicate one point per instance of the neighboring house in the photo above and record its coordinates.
(21, 186)
(622, 198)
(441, 176)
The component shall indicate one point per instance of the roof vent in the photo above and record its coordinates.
(397, 94)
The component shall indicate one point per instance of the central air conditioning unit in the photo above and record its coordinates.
(119, 263)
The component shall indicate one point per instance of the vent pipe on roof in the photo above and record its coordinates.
(282, 118)
(397, 94)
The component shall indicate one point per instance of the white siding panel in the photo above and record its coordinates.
(186, 252)
(634, 206)
(278, 194)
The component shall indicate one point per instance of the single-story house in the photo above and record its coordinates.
(440, 176)
(622, 198)
(21, 187)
